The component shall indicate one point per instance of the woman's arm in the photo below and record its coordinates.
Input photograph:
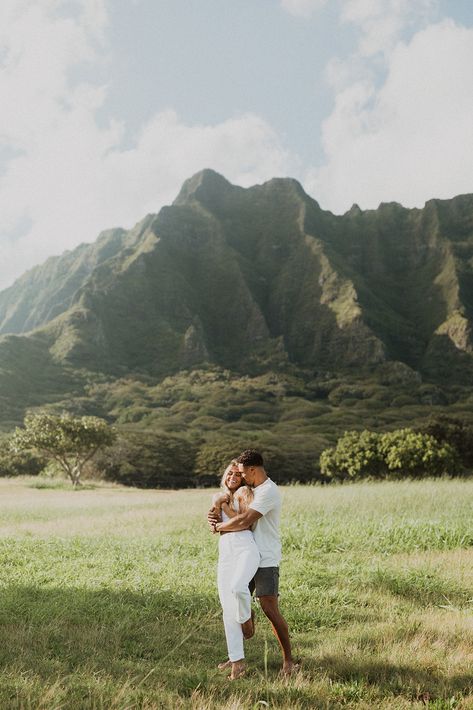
(228, 510)
(244, 497)
(218, 499)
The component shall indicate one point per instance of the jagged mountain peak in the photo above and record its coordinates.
(206, 183)
(354, 210)
(283, 184)
(210, 188)
(263, 267)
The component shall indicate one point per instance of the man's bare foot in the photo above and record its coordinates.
(224, 665)
(248, 627)
(289, 668)
(238, 670)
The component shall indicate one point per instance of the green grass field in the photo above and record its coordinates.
(108, 600)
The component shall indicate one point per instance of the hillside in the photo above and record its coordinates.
(250, 280)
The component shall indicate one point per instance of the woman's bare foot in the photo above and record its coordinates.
(238, 670)
(224, 665)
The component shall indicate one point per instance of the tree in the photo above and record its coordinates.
(212, 459)
(355, 455)
(411, 453)
(70, 441)
(395, 454)
(148, 460)
(453, 431)
(23, 463)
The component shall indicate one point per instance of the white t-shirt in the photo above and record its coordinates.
(267, 501)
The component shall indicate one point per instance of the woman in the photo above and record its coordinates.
(238, 561)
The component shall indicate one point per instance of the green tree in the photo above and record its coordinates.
(69, 441)
(412, 453)
(23, 463)
(148, 460)
(453, 431)
(212, 459)
(403, 452)
(355, 455)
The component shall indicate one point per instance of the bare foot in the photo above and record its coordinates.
(248, 627)
(238, 670)
(289, 668)
(224, 665)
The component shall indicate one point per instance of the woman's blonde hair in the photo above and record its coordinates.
(243, 494)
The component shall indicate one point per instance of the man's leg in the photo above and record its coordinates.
(270, 606)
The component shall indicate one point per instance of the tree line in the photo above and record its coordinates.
(78, 446)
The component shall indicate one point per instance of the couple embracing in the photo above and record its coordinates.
(246, 515)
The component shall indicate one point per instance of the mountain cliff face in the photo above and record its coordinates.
(254, 278)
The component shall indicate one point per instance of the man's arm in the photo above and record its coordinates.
(242, 521)
(214, 515)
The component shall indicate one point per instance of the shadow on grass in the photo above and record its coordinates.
(63, 629)
(406, 680)
(61, 485)
(92, 647)
(424, 587)
(146, 646)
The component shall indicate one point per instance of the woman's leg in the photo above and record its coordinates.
(233, 631)
(245, 564)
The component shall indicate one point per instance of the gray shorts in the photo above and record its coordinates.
(265, 583)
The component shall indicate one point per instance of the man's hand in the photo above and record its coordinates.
(213, 518)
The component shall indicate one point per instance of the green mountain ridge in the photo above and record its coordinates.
(252, 280)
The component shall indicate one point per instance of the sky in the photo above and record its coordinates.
(107, 106)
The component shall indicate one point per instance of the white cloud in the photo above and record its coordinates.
(39, 48)
(66, 177)
(302, 8)
(381, 22)
(245, 149)
(409, 140)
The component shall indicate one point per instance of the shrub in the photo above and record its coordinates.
(456, 433)
(212, 458)
(355, 455)
(21, 463)
(403, 452)
(285, 465)
(344, 393)
(414, 454)
(146, 460)
(403, 400)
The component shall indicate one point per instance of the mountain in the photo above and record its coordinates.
(251, 280)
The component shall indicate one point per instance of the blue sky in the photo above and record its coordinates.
(109, 105)
(212, 59)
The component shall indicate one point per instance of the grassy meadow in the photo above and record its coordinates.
(108, 599)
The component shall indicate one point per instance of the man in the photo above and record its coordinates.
(264, 513)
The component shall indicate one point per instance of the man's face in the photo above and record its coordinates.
(248, 474)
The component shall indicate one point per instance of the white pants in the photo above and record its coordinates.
(238, 560)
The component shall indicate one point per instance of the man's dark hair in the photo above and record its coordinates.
(250, 457)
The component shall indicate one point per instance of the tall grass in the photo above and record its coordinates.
(108, 600)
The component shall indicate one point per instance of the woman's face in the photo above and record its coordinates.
(233, 479)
